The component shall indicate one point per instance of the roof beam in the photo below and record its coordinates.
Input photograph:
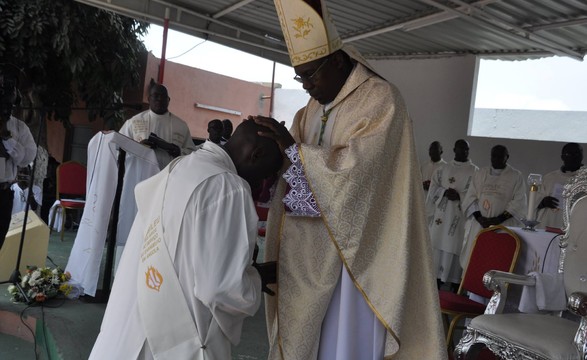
(560, 24)
(489, 21)
(231, 8)
(412, 24)
(143, 15)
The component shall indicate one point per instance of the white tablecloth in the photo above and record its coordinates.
(540, 253)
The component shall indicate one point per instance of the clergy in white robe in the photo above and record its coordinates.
(186, 281)
(496, 196)
(448, 187)
(550, 192)
(435, 152)
(21, 195)
(161, 122)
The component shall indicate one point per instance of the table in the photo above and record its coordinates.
(540, 251)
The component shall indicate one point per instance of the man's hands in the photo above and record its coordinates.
(426, 185)
(267, 271)
(486, 222)
(452, 194)
(278, 132)
(548, 202)
(155, 141)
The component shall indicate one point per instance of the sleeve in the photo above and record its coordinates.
(518, 205)
(225, 280)
(298, 200)
(470, 203)
(188, 145)
(126, 129)
(38, 194)
(21, 147)
(436, 190)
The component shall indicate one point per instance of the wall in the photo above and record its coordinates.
(187, 86)
(439, 94)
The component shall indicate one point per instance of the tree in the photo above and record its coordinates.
(68, 52)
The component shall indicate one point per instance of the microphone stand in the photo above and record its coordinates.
(15, 277)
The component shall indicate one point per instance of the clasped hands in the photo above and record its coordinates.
(486, 222)
(267, 271)
(452, 194)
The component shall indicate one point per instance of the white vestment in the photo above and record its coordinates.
(553, 184)
(214, 240)
(427, 170)
(86, 253)
(447, 225)
(20, 196)
(167, 126)
(492, 192)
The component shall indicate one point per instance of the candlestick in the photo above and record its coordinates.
(532, 202)
(534, 180)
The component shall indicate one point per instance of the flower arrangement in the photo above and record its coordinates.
(40, 284)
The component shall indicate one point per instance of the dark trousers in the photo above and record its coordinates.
(6, 198)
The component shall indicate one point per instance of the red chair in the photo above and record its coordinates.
(495, 248)
(71, 190)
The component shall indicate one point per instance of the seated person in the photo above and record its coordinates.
(21, 192)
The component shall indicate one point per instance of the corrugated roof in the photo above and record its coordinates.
(380, 29)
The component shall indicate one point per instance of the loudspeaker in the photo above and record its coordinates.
(34, 251)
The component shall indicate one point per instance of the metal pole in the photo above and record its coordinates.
(162, 64)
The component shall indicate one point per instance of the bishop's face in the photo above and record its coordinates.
(322, 78)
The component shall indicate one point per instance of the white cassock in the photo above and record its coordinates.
(427, 170)
(553, 185)
(448, 222)
(88, 247)
(167, 126)
(492, 192)
(209, 227)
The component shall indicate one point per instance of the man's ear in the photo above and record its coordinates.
(257, 154)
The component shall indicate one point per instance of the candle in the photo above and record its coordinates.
(532, 202)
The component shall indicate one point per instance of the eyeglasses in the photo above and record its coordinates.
(310, 78)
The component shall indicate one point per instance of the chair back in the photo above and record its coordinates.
(574, 242)
(495, 248)
(71, 179)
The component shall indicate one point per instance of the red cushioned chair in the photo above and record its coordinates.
(71, 190)
(495, 248)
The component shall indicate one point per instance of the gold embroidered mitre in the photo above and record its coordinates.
(308, 30)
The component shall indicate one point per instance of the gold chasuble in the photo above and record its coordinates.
(367, 186)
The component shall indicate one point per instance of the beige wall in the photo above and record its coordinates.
(188, 86)
(439, 94)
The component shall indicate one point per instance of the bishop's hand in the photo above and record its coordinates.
(278, 131)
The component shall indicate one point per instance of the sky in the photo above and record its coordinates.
(206, 55)
(554, 83)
